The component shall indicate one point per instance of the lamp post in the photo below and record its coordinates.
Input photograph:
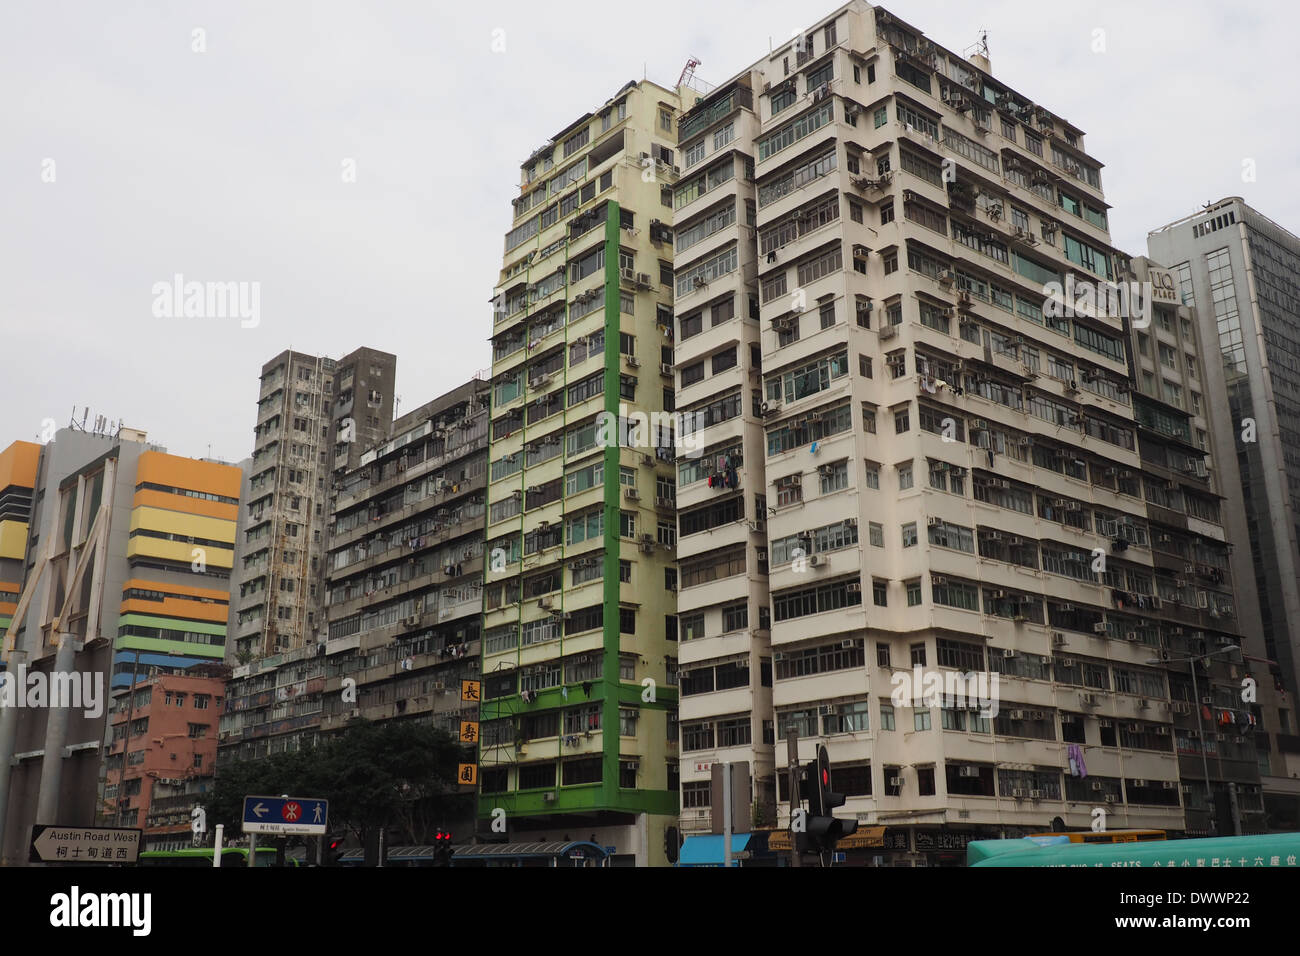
(1200, 727)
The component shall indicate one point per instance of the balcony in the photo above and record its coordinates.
(697, 120)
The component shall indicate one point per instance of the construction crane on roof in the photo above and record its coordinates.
(688, 71)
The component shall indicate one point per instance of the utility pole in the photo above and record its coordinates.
(792, 763)
(726, 815)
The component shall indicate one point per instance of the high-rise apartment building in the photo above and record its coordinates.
(579, 661)
(1195, 624)
(153, 534)
(314, 418)
(949, 453)
(722, 496)
(404, 585)
(1239, 271)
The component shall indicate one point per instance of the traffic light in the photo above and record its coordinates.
(672, 844)
(442, 848)
(824, 829)
(333, 849)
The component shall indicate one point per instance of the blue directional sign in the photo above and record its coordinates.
(286, 815)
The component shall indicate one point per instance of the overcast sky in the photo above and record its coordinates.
(227, 165)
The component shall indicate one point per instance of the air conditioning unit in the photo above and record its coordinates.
(1058, 639)
(666, 369)
(631, 494)
(1099, 627)
(632, 361)
(1008, 652)
(643, 280)
(1017, 715)
(947, 277)
(894, 782)
(1018, 793)
(1035, 794)
(545, 603)
(1098, 786)
(1131, 636)
(1065, 661)
(888, 331)
(548, 798)
(1112, 798)
(968, 771)
(854, 587)
(816, 561)
(628, 274)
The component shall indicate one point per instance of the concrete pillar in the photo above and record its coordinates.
(56, 738)
(9, 736)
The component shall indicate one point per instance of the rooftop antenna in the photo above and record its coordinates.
(980, 47)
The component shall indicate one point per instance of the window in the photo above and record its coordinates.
(827, 314)
(834, 477)
(909, 534)
(876, 534)
(905, 476)
(887, 721)
(800, 602)
(879, 592)
(921, 721)
(789, 490)
(902, 423)
(871, 476)
(869, 425)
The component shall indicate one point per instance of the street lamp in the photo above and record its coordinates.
(1200, 727)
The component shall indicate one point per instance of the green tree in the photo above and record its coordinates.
(396, 775)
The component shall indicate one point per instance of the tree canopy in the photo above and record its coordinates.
(396, 775)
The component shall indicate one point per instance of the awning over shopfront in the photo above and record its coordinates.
(864, 839)
(706, 850)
